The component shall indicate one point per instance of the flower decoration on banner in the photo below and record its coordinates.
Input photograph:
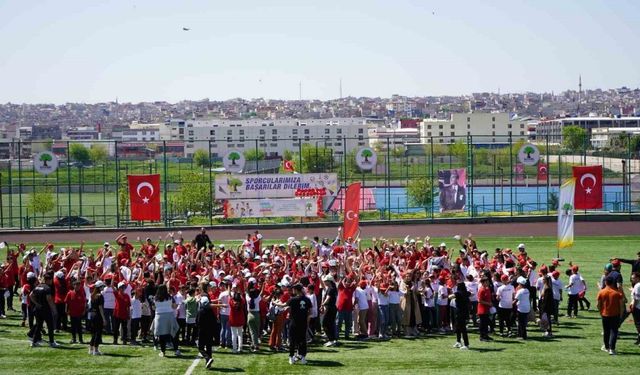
(314, 192)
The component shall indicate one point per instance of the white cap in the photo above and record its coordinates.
(257, 257)
(265, 256)
(443, 245)
(521, 280)
(121, 284)
(213, 284)
(291, 239)
(333, 263)
(281, 245)
(259, 236)
(31, 275)
(176, 241)
(327, 278)
(521, 246)
(106, 244)
(221, 246)
(59, 274)
(204, 300)
(252, 280)
(267, 251)
(99, 284)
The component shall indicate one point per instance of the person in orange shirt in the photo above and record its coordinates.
(611, 307)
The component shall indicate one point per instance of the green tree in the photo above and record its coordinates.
(45, 158)
(41, 202)
(234, 183)
(79, 153)
(48, 144)
(98, 154)
(316, 159)
(255, 154)
(233, 157)
(574, 138)
(201, 158)
(421, 192)
(287, 155)
(192, 198)
(459, 150)
(398, 152)
(123, 200)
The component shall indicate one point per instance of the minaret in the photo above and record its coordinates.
(579, 92)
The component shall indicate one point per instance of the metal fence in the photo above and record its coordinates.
(94, 187)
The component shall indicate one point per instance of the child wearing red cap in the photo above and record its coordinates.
(505, 295)
(574, 288)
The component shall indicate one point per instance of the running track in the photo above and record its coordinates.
(387, 231)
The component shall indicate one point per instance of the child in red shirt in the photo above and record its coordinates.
(237, 320)
(76, 305)
(121, 313)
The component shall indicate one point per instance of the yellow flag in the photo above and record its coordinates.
(565, 213)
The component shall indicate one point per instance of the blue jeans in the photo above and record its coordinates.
(383, 319)
(225, 331)
(347, 318)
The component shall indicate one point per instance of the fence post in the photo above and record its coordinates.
(20, 182)
(470, 164)
(165, 178)
(548, 172)
(388, 178)
(628, 177)
(69, 181)
(210, 187)
(10, 183)
(511, 174)
(117, 184)
(431, 176)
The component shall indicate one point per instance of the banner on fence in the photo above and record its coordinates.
(588, 187)
(635, 190)
(565, 213)
(452, 187)
(237, 186)
(258, 208)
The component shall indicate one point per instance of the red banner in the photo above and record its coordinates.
(588, 193)
(351, 211)
(543, 171)
(144, 197)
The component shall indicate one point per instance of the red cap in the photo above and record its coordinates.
(615, 263)
(575, 269)
(555, 274)
(362, 284)
(504, 278)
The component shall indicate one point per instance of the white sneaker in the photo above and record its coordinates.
(612, 352)
(291, 360)
(328, 344)
(303, 361)
(97, 352)
(464, 347)
(54, 345)
(161, 354)
(604, 349)
(34, 344)
(457, 345)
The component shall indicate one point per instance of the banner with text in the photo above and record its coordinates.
(238, 186)
(258, 208)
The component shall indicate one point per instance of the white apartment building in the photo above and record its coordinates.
(379, 138)
(271, 136)
(485, 128)
(553, 128)
(138, 133)
(601, 137)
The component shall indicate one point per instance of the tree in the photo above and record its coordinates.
(98, 154)
(79, 153)
(398, 151)
(45, 158)
(192, 197)
(201, 158)
(459, 150)
(421, 192)
(316, 159)
(123, 200)
(233, 157)
(287, 155)
(41, 202)
(255, 154)
(574, 137)
(234, 183)
(366, 153)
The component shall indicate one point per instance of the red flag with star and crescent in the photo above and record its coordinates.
(288, 166)
(144, 196)
(543, 171)
(588, 193)
(351, 211)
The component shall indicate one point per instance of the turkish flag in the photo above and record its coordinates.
(543, 171)
(588, 187)
(144, 196)
(351, 211)
(288, 165)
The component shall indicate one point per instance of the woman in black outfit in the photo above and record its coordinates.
(330, 310)
(462, 315)
(546, 305)
(96, 313)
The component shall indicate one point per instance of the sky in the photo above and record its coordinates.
(136, 50)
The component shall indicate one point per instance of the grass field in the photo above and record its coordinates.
(575, 347)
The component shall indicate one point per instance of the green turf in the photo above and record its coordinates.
(575, 347)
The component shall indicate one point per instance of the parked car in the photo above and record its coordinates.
(74, 221)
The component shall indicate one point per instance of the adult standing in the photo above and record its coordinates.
(165, 325)
(207, 324)
(299, 316)
(329, 309)
(97, 318)
(611, 307)
(635, 263)
(523, 305)
(44, 309)
(202, 239)
(635, 303)
(461, 297)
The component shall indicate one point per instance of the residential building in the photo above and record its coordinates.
(271, 136)
(602, 137)
(484, 128)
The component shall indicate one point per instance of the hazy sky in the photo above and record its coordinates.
(91, 51)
